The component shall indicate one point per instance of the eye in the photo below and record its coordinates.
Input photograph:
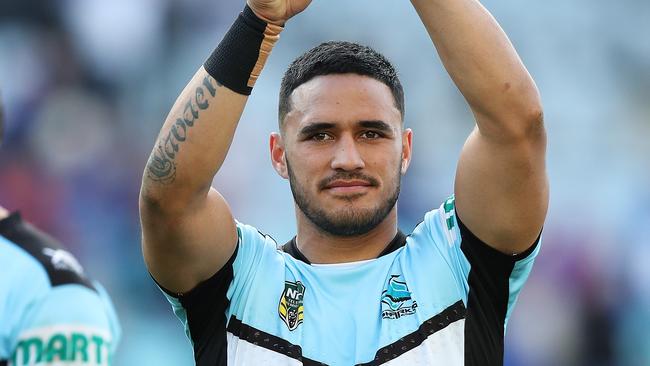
(321, 136)
(371, 135)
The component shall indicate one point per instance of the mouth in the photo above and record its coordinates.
(348, 186)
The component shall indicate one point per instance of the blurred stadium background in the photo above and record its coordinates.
(87, 84)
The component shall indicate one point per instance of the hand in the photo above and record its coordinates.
(277, 11)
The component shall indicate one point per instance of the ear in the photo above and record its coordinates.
(407, 149)
(277, 155)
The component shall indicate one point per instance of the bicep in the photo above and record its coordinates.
(184, 248)
(501, 189)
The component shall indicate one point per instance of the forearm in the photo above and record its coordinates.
(193, 141)
(197, 134)
(481, 61)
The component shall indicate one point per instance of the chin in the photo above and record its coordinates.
(352, 214)
(350, 205)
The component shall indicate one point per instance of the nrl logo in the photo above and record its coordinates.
(291, 308)
(396, 300)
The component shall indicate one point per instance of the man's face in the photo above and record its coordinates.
(343, 150)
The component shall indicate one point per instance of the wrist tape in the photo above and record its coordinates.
(240, 57)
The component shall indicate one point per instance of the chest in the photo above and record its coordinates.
(358, 310)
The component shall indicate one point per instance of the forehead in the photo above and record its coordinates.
(342, 98)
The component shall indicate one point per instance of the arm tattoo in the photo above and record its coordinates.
(161, 166)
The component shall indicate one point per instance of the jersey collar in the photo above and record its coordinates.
(292, 249)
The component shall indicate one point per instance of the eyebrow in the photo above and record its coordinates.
(313, 128)
(322, 126)
(377, 125)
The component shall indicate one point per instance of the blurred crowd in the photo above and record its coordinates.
(87, 84)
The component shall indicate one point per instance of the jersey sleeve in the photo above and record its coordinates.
(204, 310)
(52, 314)
(489, 276)
(492, 281)
(14, 299)
(49, 317)
(255, 249)
(71, 325)
(112, 320)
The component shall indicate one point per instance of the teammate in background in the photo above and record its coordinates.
(50, 312)
(350, 288)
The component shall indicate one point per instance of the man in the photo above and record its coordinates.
(50, 312)
(349, 288)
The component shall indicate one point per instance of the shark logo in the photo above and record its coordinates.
(396, 300)
(291, 309)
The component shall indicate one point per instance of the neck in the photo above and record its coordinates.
(3, 213)
(324, 248)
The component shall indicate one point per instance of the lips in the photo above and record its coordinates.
(348, 184)
(348, 187)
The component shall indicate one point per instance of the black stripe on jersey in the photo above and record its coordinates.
(269, 341)
(205, 306)
(37, 244)
(276, 344)
(390, 352)
(487, 301)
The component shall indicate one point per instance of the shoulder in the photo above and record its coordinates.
(20, 268)
(250, 234)
(47, 299)
(32, 247)
(254, 245)
(439, 226)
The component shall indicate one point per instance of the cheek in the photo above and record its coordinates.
(310, 162)
(305, 165)
(386, 163)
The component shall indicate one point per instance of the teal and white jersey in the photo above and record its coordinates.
(50, 313)
(438, 296)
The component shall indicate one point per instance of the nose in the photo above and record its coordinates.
(346, 155)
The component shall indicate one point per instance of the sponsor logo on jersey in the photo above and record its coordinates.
(447, 217)
(396, 300)
(291, 309)
(63, 260)
(64, 344)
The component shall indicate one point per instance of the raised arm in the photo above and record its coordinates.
(501, 186)
(187, 227)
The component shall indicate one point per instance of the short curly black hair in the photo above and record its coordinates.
(338, 57)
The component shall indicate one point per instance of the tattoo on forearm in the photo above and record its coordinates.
(161, 166)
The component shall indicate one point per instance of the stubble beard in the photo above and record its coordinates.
(346, 222)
